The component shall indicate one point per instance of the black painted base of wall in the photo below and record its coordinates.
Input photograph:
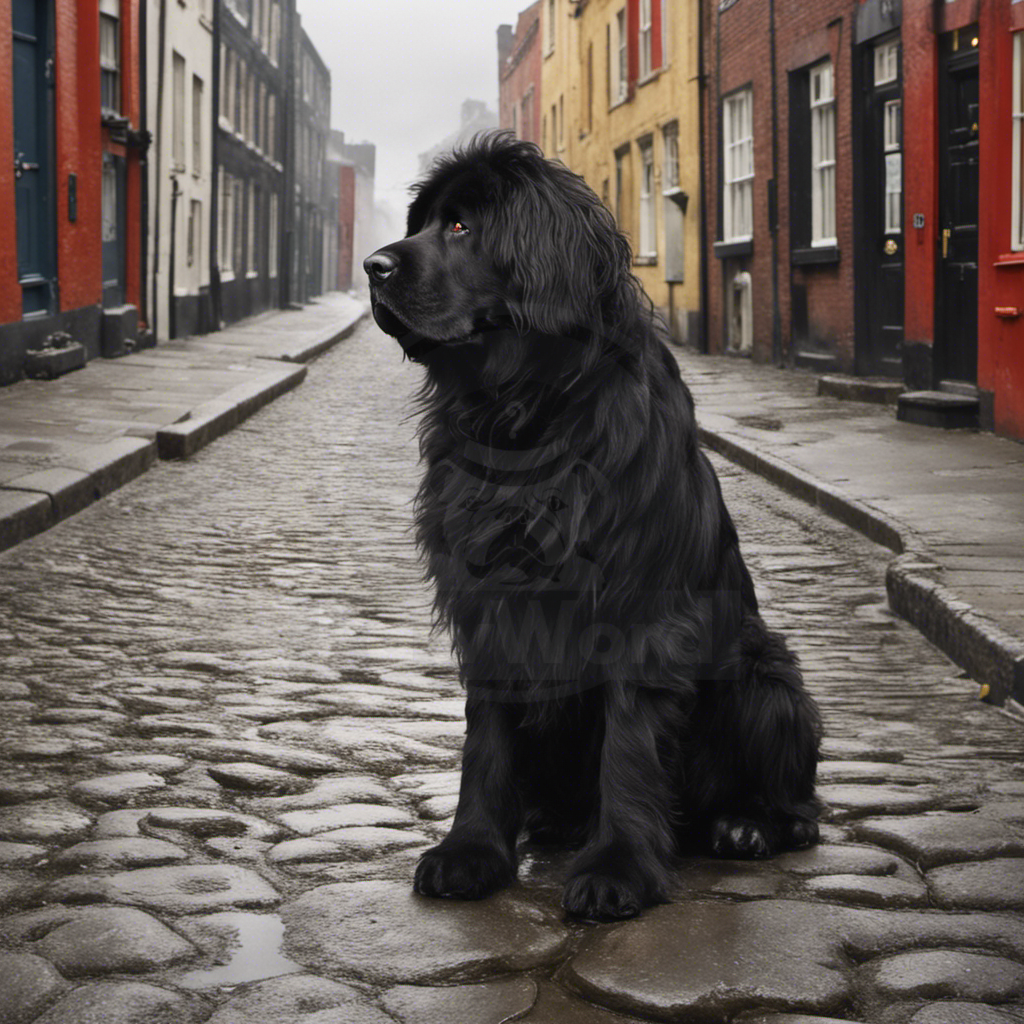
(917, 365)
(193, 314)
(247, 296)
(17, 338)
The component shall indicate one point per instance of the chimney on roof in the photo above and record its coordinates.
(505, 39)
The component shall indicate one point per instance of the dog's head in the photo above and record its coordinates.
(499, 237)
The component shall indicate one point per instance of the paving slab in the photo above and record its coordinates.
(949, 503)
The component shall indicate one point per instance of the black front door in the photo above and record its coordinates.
(882, 237)
(33, 154)
(956, 324)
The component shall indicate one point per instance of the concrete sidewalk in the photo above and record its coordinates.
(950, 504)
(67, 442)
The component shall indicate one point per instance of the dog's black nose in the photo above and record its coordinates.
(380, 266)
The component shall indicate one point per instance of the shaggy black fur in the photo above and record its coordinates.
(622, 691)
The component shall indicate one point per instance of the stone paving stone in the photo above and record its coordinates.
(27, 984)
(248, 777)
(437, 808)
(305, 850)
(322, 819)
(831, 772)
(987, 885)
(239, 848)
(828, 859)
(349, 788)
(182, 889)
(703, 876)
(299, 999)
(870, 890)
(361, 745)
(556, 1006)
(102, 940)
(125, 1002)
(161, 764)
(964, 1013)
(14, 855)
(71, 715)
(23, 791)
(795, 1018)
(492, 1002)
(200, 821)
(355, 842)
(383, 932)
(939, 838)
(43, 821)
(120, 853)
(276, 755)
(121, 788)
(849, 801)
(709, 961)
(12, 689)
(45, 750)
(947, 974)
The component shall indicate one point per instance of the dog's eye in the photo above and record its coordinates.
(458, 228)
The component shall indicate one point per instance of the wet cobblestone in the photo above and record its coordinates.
(227, 732)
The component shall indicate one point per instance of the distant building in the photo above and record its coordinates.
(309, 127)
(353, 166)
(250, 155)
(519, 57)
(476, 117)
(71, 145)
(179, 99)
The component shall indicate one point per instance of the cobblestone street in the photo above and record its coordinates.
(227, 735)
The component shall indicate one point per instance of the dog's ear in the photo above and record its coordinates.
(561, 251)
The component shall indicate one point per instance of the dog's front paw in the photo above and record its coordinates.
(599, 896)
(740, 838)
(463, 870)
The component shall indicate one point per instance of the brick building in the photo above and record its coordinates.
(71, 235)
(519, 59)
(353, 164)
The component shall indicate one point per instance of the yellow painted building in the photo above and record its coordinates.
(626, 73)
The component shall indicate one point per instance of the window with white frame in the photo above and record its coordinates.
(110, 55)
(227, 209)
(648, 241)
(1017, 212)
(237, 215)
(823, 155)
(195, 222)
(178, 111)
(260, 132)
(250, 257)
(275, 32)
(620, 65)
(272, 126)
(892, 143)
(620, 161)
(887, 61)
(738, 166)
(272, 239)
(645, 38)
(549, 27)
(670, 135)
(197, 125)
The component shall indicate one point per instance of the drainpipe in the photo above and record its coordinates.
(159, 140)
(773, 205)
(702, 89)
(143, 168)
(172, 313)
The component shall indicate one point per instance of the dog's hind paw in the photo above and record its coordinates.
(801, 833)
(741, 838)
(463, 871)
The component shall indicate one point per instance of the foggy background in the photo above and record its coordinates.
(400, 70)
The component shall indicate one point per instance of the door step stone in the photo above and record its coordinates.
(938, 409)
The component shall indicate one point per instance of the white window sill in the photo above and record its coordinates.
(252, 274)
(821, 243)
(227, 275)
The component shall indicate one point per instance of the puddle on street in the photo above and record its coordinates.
(253, 949)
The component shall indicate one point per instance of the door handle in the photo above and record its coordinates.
(945, 242)
(21, 165)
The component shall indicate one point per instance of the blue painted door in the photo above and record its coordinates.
(33, 154)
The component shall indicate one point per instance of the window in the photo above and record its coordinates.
(671, 139)
(250, 256)
(258, 127)
(237, 213)
(554, 125)
(272, 126)
(110, 55)
(648, 219)
(197, 125)
(195, 222)
(620, 168)
(549, 28)
(236, 94)
(178, 111)
(257, 21)
(887, 61)
(224, 92)
(738, 167)
(108, 201)
(619, 65)
(525, 120)
(823, 156)
(272, 240)
(1017, 234)
(561, 121)
(892, 135)
(645, 38)
(275, 32)
(225, 241)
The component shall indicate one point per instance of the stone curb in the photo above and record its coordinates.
(33, 503)
(992, 656)
(215, 418)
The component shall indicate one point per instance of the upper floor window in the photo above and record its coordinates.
(1017, 234)
(110, 55)
(670, 135)
(648, 241)
(619, 59)
(738, 166)
(646, 55)
(887, 61)
(178, 111)
(892, 142)
(823, 155)
(549, 27)
(197, 125)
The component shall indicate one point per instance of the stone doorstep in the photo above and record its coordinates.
(938, 409)
(881, 390)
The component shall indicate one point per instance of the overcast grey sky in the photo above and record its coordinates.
(400, 70)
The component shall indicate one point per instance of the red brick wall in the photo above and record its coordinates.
(514, 84)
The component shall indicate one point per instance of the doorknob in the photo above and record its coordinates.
(21, 165)
(945, 242)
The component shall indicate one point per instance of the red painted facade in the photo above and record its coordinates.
(78, 145)
(519, 62)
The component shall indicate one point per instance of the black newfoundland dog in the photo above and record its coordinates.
(623, 694)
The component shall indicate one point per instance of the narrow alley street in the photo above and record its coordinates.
(227, 735)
